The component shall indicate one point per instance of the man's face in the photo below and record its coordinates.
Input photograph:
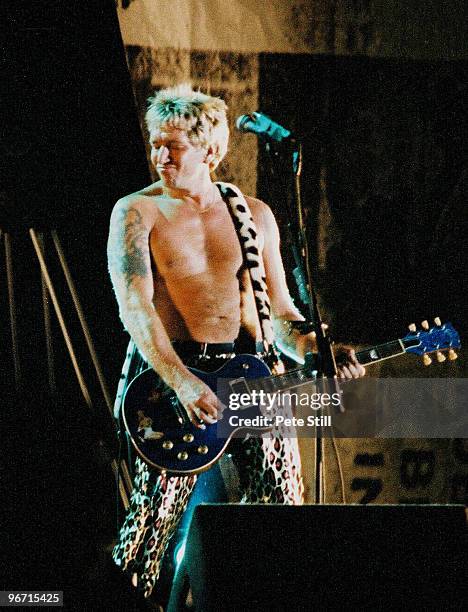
(177, 161)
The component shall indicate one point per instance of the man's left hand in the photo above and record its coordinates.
(347, 364)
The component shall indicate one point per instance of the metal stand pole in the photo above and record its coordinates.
(66, 336)
(324, 365)
(12, 308)
(89, 342)
(48, 329)
(61, 320)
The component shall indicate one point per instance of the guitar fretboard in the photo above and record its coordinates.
(299, 376)
(278, 382)
(380, 352)
(435, 339)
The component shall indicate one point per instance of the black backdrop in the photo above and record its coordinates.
(390, 137)
(71, 146)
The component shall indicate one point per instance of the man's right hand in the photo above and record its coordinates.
(199, 401)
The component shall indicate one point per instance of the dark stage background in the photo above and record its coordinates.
(384, 182)
(71, 147)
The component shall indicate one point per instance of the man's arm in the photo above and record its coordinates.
(130, 269)
(283, 307)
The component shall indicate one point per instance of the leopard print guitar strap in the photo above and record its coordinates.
(253, 261)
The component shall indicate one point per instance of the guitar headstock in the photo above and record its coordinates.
(436, 339)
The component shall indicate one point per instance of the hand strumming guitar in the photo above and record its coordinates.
(200, 403)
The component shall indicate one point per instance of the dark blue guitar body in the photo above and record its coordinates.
(178, 447)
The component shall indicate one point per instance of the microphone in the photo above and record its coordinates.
(262, 125)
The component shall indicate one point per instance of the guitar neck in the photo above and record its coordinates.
(381, 352)
(387, 350)
(438, 338)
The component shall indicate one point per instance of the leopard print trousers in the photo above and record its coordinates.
(269, 472)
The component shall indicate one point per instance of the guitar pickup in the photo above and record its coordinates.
(239, 388)
(239, 385)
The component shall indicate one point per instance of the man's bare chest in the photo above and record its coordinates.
(193, 245)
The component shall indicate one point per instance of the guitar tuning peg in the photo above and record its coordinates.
(427, 360)
(425, 324)
(437, 321)
(452, 355)
(440, 357)
(412, 327)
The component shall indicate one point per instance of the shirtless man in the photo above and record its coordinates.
(174, 259)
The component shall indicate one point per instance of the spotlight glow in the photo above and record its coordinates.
(179, 553)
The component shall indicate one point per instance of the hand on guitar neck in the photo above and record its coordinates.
(348, 366)
(347, 363)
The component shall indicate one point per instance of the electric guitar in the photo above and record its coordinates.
(164, 437)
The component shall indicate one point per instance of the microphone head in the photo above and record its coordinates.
(243, 121)
(263, 126)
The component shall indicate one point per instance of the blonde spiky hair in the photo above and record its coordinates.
(203, 117)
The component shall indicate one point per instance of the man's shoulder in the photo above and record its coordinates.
(256, 205)
(261, 212)
(255, 201)
(153, 190)
(143, 198)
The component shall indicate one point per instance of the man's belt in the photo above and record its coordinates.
(190, 348)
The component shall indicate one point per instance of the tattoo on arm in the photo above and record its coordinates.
(129, 254)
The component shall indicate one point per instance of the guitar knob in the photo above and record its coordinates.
(203, 449)
(427, 360)
(425, 324)
(440, 357)
(183, 456)
(452, 355)
(167, 445)
(412, 327)
(188, 437)
(437, 321)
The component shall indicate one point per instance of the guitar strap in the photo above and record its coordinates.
(252, 258)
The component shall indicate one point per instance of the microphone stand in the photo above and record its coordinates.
(326, 365)
(322, 364)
